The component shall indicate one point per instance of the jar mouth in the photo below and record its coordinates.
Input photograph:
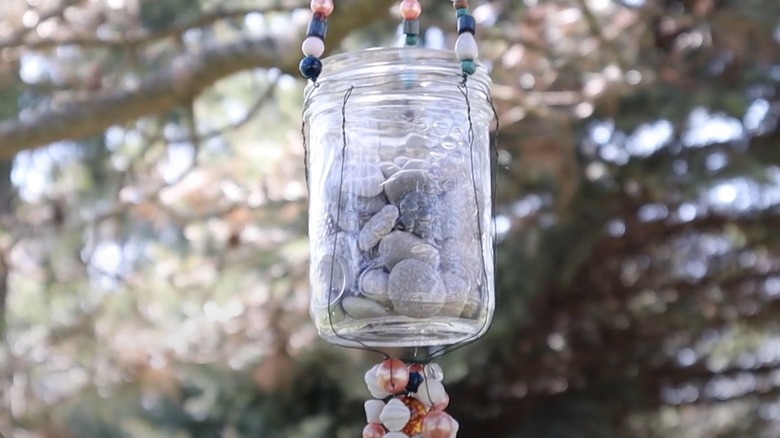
(354, 64)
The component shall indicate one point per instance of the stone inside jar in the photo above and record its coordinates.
(408, 238)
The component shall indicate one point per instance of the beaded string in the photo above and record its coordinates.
(466, 47)
(314, 45)
(410, 11)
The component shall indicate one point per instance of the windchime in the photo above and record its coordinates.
(398, 165)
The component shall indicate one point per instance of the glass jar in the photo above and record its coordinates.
(400, 218)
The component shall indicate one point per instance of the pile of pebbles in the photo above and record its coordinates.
(400, 238)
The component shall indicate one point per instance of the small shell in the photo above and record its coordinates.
(395, 415)
(372, 385)
(431, 393)
(433, 371)
(377, 227)
(373, 409)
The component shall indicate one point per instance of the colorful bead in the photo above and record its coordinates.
(438, 425)
(371, 382)
(392, 376)
(373, 431)
(467, 23)
(411, 40)
(466, 47)
(410, 9)
(313, 46)
(468, 67)
(324, 7)
(434, 371)
(461, 12)
(460, 4)
(431, 393)
(411, 27)
(310, 67)
(317, 28)
(415, 379)
(418, 411)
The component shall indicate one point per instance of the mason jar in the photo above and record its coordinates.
(400, 217)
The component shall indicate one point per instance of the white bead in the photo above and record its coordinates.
(431, 392)
(373, 386)
(434, 371)
(373, 410)
(313, 46)
(395, 415)
(466, 47)
(396, 435)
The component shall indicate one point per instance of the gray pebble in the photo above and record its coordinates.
(419, 214)
(406, 181)
(400, 245)
(373, 284)
(389, 169)
(377, 227)
(462, 257)
(415, 164)
(415, 289)
(362, 179)
(458, 289)
(362, 308)
(401, 161)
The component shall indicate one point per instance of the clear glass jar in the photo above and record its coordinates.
(400, 222)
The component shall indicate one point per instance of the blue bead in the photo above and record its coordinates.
(461, 12)
(310, 67)
(469, 67)
(411, 40)
(317, 28)
(415, 380)
(466, 23)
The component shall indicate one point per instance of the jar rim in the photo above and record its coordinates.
(346, 64)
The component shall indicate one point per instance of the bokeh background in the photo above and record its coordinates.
(153, 249)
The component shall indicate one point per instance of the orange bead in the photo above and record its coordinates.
(460, 4)
(324, 7)
(410, 9)
(437, 425)
(416, 368)
(373, 431)
(418, 411)
(392, 376)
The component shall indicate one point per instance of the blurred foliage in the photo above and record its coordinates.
(153, 278)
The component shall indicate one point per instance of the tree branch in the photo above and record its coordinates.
(185, 78)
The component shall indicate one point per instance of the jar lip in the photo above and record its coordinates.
(443, 61)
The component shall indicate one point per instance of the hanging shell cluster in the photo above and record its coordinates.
(404, 238)
(409, 402)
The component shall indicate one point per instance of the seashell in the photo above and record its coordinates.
(373, 284)
(418, 411)
(395, 415)
(419, 214)
(363, 308)
(439, 425)
(406, 181)
(372, 385)
(400, 245)
(392, 376)
(373, 409)
(389, 169)
(415, 289)
(377, 227)
(374, 430)
(431, 393)
(416, 164)
(362, 179)
(396, 435)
